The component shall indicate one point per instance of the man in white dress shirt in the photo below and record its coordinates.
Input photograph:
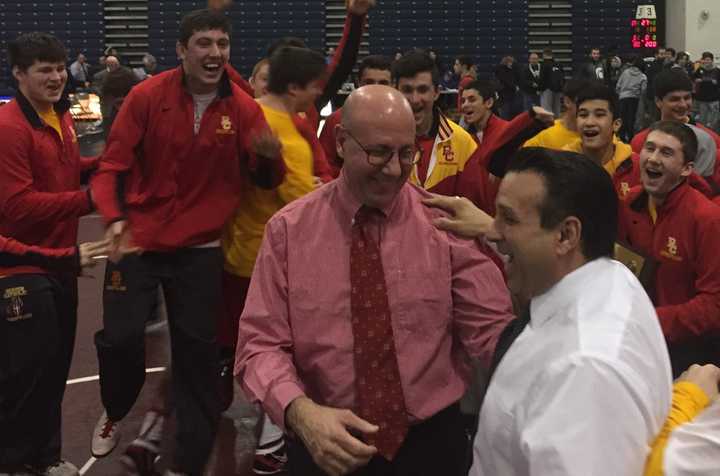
(586, 385)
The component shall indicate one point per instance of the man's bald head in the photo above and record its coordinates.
(376, 105)
(377, 142)
(112, 63)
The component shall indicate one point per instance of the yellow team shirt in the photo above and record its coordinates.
(622, 152)
(51, 118)
(556, 137)
(243, 234)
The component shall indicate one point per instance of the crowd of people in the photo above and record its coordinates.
(511, 293)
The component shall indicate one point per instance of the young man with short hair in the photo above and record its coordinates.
(668, 220)
(185, 144)
(41, 201)
(373, 69)
(594, 69)
(443, 146)
(564, 131)
(707, 91)
(295, 81)
(598, 122)
(464, 68)
(492, 133)
(673, 97)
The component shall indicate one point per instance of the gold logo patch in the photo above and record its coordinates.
(225, 126)
(15, 292)
(116, 282)
(671, 249)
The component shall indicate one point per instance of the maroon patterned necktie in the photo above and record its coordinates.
(379, 391)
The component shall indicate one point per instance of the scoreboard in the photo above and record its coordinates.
(644, 28)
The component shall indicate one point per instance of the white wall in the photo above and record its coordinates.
(686, 31)
(703, 35)
(676, 23)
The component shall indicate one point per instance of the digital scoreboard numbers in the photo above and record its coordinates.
(644, 28)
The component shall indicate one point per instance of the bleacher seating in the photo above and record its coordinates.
(487, 30)
(77, 23)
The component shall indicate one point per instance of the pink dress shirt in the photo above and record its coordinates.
(447, 298)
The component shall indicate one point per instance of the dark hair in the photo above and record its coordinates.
(637, 61)
(375, 62)
(203, 20)
(682, 54)
(671, 50)
(466, 60)
(413, 63)
(597, 90)
(669, 81)
(293, 41)
(707, 54)
(547, 52)
(118, 83)
(28, 48)
(574, 186)
(293, 65)
(595, 48)
(573, 88)
(681, 132)
(486, 89)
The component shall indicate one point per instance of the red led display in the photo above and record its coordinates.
(644, 33)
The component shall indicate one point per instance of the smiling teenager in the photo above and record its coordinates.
(666, 218)
(41, 202)
(185, 143)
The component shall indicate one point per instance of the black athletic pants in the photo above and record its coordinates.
(38, 318)
(191, 283)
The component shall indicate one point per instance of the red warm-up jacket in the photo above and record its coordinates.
(684, 241)
(40, 196)
(175, 188)
(13, 254)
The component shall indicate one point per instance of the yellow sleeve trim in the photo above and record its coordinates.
(688, 401)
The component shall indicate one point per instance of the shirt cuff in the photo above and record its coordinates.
(278, 399)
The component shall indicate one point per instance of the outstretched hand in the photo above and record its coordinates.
(544, 116)
(466, 219)
(266, 144)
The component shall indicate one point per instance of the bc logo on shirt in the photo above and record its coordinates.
(116, 282)
(448, 154)
(624, 189)
(225, 126)
(671, 250)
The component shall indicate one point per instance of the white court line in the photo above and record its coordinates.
(97, 377)
(89, 463)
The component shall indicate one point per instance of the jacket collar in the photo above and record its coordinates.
(61, 107)
(224, 87)
(673, 200)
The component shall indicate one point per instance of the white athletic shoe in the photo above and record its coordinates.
(105, 436)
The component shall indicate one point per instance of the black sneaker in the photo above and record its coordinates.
(143, 453)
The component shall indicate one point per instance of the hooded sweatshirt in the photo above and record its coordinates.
(632, 83)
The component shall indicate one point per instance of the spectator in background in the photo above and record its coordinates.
(148, 68)
(683, 64)
(707, 91)
(111, 64)
(669, 59)
(530, 82)
(552, 80)
(614, 70)
(508, 92)
(630, 89)
(116, 85)
(594, 68)
(80, 71)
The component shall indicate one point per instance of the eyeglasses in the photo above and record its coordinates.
(381, 156)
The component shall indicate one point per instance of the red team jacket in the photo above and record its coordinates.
(40, 196)
(684, 243)
(13, 254)
(179, 188)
